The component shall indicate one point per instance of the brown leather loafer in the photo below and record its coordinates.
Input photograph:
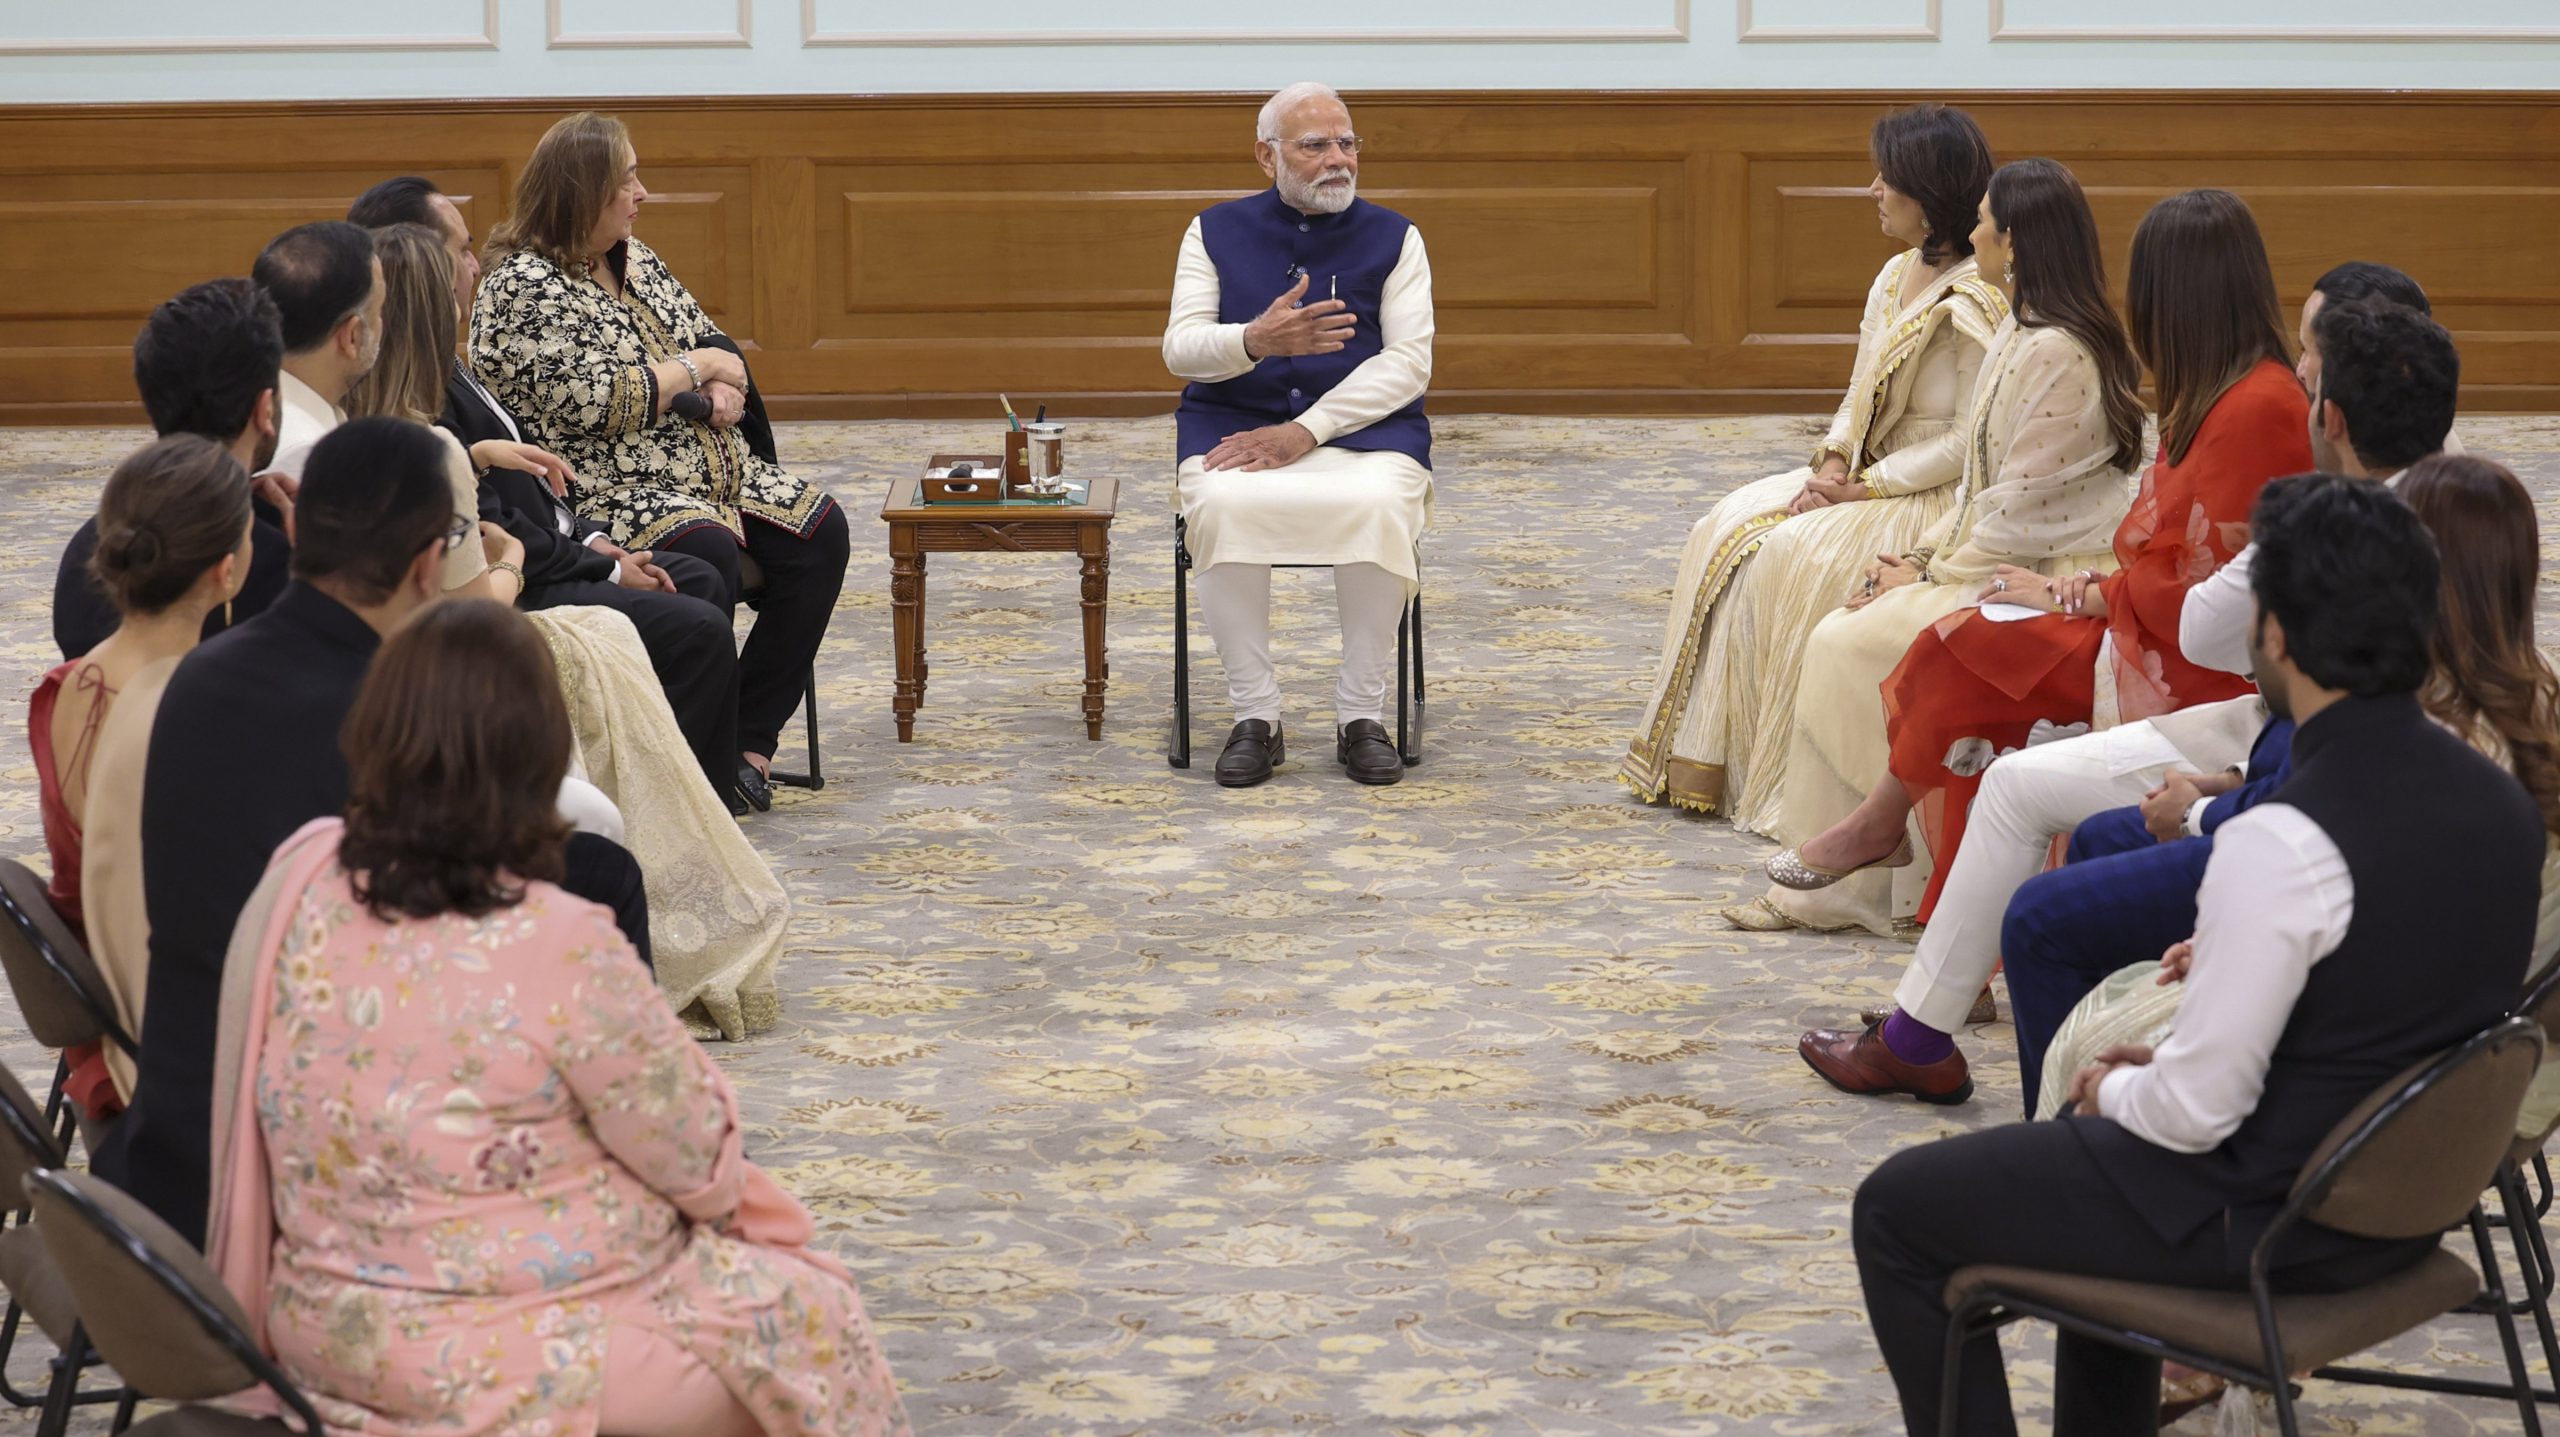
(1859, 1062)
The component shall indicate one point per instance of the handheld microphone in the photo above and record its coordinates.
(690, 405)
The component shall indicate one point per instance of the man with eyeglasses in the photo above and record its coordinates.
(1302, 319)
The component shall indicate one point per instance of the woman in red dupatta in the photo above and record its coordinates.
(2104, 648)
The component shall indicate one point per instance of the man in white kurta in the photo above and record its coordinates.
(1302, 317)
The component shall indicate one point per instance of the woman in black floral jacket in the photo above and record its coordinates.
(584, 334)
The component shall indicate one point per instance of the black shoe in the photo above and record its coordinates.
(1361, 747)
(1253, 750)
(753, 788)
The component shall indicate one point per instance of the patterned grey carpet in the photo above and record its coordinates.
(1449, 1109)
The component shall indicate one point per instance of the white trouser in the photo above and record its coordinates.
(2027, 800)
(1235, 602)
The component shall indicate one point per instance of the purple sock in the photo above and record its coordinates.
(1915, 1042)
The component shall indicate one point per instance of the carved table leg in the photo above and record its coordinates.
(1094, 543)
(906, 623)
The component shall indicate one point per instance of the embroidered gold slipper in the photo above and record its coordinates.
(1789, 870)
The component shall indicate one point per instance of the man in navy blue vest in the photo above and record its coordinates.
(2327, 958)
(1302, 319)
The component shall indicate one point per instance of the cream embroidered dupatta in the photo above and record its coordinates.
(717, 913)
(1738, 626)
(2042, 491)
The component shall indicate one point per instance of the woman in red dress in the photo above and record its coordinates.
(173, 546)
(2054, 656)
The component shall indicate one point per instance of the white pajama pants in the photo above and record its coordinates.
(1235, 602)
(2027, 800)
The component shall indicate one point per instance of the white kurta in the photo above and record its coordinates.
(1336, 505)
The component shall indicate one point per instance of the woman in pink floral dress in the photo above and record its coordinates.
(472, 1176)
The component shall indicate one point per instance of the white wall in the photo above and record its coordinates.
(158, 50)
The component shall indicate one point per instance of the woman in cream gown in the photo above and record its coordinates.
(1763, 566)
(2054, 430)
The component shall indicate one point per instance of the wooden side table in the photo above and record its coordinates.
(1002, 527)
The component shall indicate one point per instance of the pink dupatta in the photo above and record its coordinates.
(240, 1231)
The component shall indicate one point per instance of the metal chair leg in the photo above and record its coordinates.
(1404, 696)
(54, 1099)
(64, 1391)
(9, 1325)
(124, 1410)
(2507, 1339)
(2533, 1260)
(1409, 746)
(1177, 752)
(816, 777)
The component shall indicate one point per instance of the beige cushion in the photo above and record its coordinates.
(141, 1328)
(2316, 1329)
(27, 1271)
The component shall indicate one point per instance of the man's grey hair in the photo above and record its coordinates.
(1267, 125)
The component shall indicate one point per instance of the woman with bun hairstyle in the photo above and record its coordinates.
(173, 547)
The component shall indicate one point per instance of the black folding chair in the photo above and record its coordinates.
(157, 1311)
(37, 1288)
(2410, 1161)
(1409, 691)
(2520, 1213)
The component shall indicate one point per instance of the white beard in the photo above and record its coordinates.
(1316, 197)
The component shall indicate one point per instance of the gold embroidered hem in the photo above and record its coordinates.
(1646, 769)
(1698, 787)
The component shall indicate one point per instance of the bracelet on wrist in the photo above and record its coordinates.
(690, 372)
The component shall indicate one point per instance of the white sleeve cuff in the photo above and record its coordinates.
(2194, 824)
(596, 538)
(2111, 1091)
(1231, 343)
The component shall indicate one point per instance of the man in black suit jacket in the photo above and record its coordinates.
(675, 600)
(205, 363)
(245, 751)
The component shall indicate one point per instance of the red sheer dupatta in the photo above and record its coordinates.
(2190, 519)
(1971, 690)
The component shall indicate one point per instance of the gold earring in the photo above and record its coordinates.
(2009, 270)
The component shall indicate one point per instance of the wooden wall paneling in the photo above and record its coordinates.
(1593, 252)
(784, 222)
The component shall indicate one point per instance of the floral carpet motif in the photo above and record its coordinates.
(1449, 1109)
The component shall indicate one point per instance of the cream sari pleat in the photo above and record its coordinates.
(717, 913)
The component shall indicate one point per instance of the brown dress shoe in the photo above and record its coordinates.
(1859, 1062)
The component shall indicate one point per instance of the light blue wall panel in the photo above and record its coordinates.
(147, 50)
